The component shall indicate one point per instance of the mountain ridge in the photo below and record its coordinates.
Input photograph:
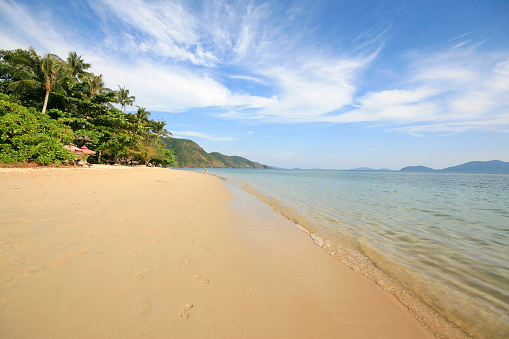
(189, 153)
(492, 166)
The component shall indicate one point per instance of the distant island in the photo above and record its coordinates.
(189, 153)
(369, 169)
(417, 169)
(493, 166)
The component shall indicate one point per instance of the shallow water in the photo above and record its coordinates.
(442, 237)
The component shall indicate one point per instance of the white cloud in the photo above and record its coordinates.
(207, 34)
(460, 44)
(163, 87)
(459, 90)
(200, 135)
(391, 98)
(248, 78)
(172, 58)
(165, 29)
(156, 85)
(22, 29)
(309, 90)
(499, 124)
(502, 67)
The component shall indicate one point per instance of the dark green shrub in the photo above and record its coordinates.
(26, 135)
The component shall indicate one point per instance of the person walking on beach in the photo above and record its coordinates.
(206, 171)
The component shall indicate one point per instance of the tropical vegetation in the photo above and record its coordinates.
(46, 102)
(190, 154)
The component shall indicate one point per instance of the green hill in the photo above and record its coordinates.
(236, 161)
(190, 154)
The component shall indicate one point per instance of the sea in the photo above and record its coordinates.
(438, 241)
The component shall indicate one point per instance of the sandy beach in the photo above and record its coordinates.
(111, 251)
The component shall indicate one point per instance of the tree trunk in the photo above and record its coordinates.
(45, 101)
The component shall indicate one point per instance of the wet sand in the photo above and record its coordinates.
(132, 252)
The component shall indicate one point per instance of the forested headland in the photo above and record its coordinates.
(190, 154)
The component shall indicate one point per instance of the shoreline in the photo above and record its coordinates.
(355, 258)
(109, 251)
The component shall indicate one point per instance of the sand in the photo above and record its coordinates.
(111, 251)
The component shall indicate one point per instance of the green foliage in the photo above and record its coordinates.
(79, 110)
(28, 72)
(236, 161)
(165, 157)
(188, 153)
(27, 135)
(16, 65)
(76, 66)
(123, 97)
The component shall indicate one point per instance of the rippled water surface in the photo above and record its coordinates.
(442, 236)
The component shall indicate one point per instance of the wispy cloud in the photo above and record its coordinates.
(160, 30)
(177, 56)
(454, 90)
(201, 135)
(248, 78)
(169, 88)
(22, 25)
(210, 34)
(166, 29)
(305, 82)
(308, 90)
(315, 88)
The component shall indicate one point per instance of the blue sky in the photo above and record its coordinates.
(328, 84)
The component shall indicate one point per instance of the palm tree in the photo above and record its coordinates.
(33, 72)
(94, 84)
(141, 120)
(123, 97)
(159, 130)
(97, 92)
(76, 66)
(142, 115)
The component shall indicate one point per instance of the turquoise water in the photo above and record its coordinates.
(435, 239)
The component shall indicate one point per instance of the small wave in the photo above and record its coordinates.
(381, 232)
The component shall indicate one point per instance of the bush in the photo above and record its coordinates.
(27, 135)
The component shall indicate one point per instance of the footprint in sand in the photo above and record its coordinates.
(140, 275)
(189, 262)
(64, 259)
(184, 313)
(80, 252)
(144, 306)
(203, 280)
(29, 271)
(61, 262)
